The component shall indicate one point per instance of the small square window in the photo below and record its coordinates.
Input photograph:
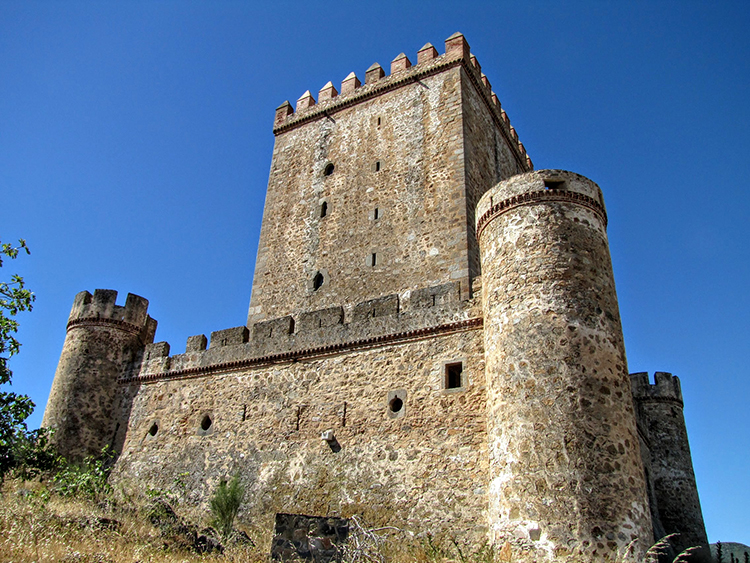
(454, 375)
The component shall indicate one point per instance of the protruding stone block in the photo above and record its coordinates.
(350, 83)
(374, 73)
(457, 46)
(197, 343)
(327, 92)
(305, 101)
(400, 63)
(282, 112)
(426, 53)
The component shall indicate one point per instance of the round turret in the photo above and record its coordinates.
(566, 476)
(102, 343)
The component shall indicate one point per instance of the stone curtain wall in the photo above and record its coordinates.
(424, 467)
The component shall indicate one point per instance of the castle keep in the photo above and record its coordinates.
(433, 342)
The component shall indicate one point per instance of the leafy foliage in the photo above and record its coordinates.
(225, 504)
(87, 478)
(14, 408)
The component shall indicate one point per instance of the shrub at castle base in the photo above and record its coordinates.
(433, 342)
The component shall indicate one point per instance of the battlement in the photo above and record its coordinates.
(666, 387)
(101, 307)
(402, 72)
(412, 314)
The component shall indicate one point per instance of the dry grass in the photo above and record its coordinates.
(42, 527)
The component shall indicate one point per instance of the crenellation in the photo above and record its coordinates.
(374, 73)
(282, 112)
(350, 84)
(197, 343)
(457, 46)
(426, 54)
(475, 63)
(386, 306)
(400, 63)
(305, 101)
(486, 82)
(229, 337)
(327, 92)
(665, 387)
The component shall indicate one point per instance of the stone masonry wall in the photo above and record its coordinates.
(422, 468)
(566, 478)
(102, 338)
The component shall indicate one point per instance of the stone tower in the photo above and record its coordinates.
(659, 407)
(373, 191)
(103, 341)
(565, 468)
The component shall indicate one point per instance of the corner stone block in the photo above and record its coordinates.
(457, 46)
(374, 73)
(197, 343)
(282, 112)
(426, 53)
(305, 101)
(400, 63)
(156, 350)
(327, 92)
(350, 84)
(229, 336)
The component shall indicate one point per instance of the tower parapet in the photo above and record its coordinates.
(104, 341)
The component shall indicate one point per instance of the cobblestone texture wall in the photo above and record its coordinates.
(426, 463)
(566, 478)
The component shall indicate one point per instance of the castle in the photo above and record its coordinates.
(433, 342)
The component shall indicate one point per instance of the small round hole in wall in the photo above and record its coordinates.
(396, 404)
(153, 430)
(206, 423)
(328, 170)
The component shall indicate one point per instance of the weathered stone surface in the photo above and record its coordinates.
(433, 342)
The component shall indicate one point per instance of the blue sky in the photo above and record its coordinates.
(135, 144)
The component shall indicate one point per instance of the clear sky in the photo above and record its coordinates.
(135, 144)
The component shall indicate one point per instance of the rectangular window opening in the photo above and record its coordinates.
(554, 184)
(454, 375)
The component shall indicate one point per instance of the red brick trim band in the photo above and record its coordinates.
(311, 353)
(541, 196)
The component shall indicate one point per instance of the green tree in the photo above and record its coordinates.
(14, 408)
(225, 505)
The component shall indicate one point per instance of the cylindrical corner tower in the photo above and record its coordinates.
(566, 476)
(103, 341)
(659, 409)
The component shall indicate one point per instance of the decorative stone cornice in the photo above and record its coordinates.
(311, 353)
(541, 196)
